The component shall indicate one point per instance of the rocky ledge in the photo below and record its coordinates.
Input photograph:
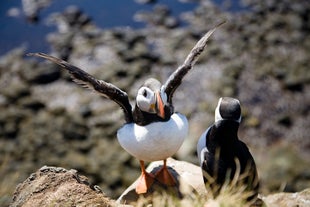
(56, 186)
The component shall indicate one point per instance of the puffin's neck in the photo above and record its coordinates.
(143, 118)
(223, 134)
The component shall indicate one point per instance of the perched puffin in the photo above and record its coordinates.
(153, 131)
(223, 157)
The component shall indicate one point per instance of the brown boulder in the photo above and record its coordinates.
(55, 186)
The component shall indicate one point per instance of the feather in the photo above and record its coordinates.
(176, 77)
(84, 79)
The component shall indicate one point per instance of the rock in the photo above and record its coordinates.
(31, 103)
(44, 74)
(74, 16)
(71, 18)
(300, 199)
(55, 186)
(160, 16)
(188, 176)
(15, 90)
(31, 8)
(10, 122)
(190, 190)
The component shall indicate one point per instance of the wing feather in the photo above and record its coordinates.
(84, 79)
(176, 77)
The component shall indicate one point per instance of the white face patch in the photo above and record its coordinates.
(146, 100)
(218, 116)
(239, 120)
(163, 95)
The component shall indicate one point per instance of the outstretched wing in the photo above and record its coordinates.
(176, 77)
(105, 89)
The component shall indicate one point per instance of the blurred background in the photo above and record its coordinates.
(260, 56)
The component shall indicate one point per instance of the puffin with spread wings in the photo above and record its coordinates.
(153, 131)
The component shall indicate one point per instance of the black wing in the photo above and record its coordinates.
(176, 77)
(105, 89)
(248, 167)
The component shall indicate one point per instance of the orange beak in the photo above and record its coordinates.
(160, 107)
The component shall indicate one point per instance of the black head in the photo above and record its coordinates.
(151, 103)
(224, 132)
(228, 109)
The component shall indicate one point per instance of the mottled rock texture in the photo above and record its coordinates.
(55, 186)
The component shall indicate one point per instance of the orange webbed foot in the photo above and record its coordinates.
(145, 180)
(165, 177)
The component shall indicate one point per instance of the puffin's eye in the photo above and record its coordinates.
(144, 93)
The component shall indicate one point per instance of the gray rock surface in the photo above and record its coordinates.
(55, 186)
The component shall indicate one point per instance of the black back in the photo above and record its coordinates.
(223, 148)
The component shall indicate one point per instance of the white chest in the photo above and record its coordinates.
(156, 141)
